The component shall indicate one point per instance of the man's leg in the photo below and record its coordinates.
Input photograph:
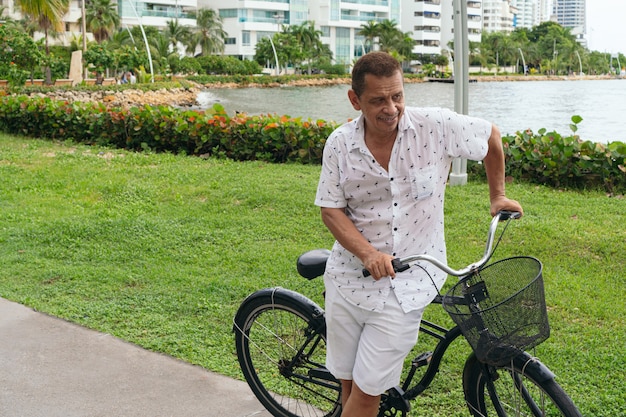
(356, 403)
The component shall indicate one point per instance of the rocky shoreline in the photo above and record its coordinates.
(187, 97)
(179, 97)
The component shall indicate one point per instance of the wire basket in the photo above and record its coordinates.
(501, 309)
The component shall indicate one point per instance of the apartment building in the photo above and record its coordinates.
(247, 22)
(429, 21)
(132, 13)
(156, 12)
(527, 13)
(571, 14)
(499, 16)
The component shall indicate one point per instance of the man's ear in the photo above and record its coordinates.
(354, 100)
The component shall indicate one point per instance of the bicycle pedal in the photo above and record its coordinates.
(422, 360)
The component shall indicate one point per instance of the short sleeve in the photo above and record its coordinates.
(329, 190)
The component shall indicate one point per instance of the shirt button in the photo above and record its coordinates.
(395, 204)
(391, 179)
(395, 229)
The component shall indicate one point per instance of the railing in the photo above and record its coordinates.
(368, 2)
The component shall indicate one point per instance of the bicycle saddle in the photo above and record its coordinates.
(312, 264)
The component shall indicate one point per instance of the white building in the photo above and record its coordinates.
(571, 14)
(132, 13)
(498, 16)
(474, 21)
(424, 18)
(527, 14)
(429, 21)
(247, 22)
(156, 12)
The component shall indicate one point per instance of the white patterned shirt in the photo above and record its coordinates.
(400, 211)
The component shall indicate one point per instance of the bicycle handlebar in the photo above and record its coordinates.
(402, 264)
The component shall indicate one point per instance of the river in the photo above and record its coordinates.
(512, 105)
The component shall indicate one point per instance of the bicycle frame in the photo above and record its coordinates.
(431, 359)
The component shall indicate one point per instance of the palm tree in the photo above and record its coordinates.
(101, 19)
(308, 39)
(177, 34)
(210, 34)
(49, 17)
(388, 34)
(47, 13)
(370, 31)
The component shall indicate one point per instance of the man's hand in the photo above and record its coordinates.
(379, 265)
(502, 203)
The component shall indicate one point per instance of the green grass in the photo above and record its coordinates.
(161, 249)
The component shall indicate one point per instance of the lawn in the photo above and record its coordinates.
(160, 250)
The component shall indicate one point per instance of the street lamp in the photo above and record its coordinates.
(523, 60)
(144, 39)
(278, 18)
(580, 63)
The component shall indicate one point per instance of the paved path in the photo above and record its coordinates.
(52, 368)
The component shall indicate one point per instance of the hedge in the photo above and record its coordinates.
(270, 137)
(543, 157)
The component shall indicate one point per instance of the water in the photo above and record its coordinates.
(511, 105)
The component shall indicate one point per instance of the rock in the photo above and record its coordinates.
(179, 97)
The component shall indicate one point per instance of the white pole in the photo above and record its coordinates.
(458, 176)
(275, 54)
(580, 63)
(523, 60)
(144, 39)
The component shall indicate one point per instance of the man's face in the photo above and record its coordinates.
(382, 103)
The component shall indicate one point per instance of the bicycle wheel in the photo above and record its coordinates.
(523, 387)
(281, 347)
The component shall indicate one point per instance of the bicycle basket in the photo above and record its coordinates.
(501, 309)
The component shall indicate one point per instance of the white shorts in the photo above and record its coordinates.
(368, 347)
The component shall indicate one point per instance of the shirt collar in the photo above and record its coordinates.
(358, 139)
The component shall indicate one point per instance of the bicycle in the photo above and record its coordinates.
(280, 341)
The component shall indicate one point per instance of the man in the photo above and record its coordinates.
(381, 194)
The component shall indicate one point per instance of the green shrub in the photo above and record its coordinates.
(543, 158)
(270, 138)
(565, 161)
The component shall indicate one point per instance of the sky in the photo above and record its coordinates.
(605, 25)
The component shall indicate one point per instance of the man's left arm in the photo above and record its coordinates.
(494, 168)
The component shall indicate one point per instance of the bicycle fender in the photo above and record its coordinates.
(283, 296)
(525, 362)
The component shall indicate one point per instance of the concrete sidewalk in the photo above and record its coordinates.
(52, 368)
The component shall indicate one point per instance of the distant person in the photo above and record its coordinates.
(381, 193)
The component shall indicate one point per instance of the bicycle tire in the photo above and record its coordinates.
(280, 337)
(523, 387)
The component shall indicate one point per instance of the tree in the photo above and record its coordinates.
(209, 35)
(49, 17)
(19, 55)
(101, 19)
(370, 31)
(100, 57)
(177, 34)
(309, 42)
(161, 51)
(47, 13)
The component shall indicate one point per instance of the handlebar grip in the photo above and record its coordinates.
(506, 215)
(397, 266)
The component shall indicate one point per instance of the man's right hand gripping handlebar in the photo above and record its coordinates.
(398, 266)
